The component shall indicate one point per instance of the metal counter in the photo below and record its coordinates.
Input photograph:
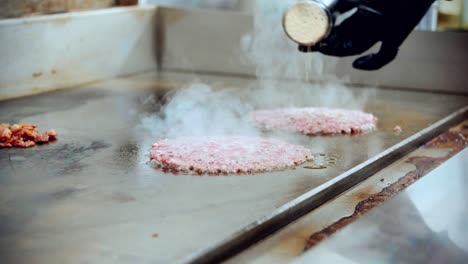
(93, 197)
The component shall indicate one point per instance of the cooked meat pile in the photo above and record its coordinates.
(23, 136)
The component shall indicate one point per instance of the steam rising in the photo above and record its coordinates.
(273, 54)
(198, 109)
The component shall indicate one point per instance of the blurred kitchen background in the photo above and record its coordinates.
(445, 15)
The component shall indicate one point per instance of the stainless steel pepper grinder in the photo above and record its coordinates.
(308, 22)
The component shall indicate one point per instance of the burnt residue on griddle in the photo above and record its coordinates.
(321, 161)
(65, 193)
(457, 135)
(126, 155)
(72, 150)
(315, 166)
(363, 193)
(121, 197)
(37, 74)
(59, 159)
(72, 155)
(455, 139)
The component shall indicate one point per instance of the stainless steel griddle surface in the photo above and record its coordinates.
(92, 196)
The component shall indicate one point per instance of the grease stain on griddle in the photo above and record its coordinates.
(331, 160)
(321, 161)
(121, 197)
(126, 155)
(69, 150)
(63, 159)
(11, 225)
(17, 158)
(455, 139)
(363, 194)
(37, 74)
(65, 193)
(318, 166)
(72, 168)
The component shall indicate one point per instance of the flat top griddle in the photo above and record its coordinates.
(92, 195)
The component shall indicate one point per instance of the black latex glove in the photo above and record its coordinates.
(386, 21)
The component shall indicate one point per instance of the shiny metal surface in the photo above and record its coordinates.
(64, 50)
(186, 45)
(92, 197)
(424, 224)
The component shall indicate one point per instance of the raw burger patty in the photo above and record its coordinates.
(223, 155)
(313, 121)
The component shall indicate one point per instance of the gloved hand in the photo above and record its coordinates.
(386, 21)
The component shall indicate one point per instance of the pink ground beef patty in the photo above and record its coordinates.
(226, 155)
(315, 121)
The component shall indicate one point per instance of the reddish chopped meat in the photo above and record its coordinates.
(23, 136)
(42, 138)
(397, 130)
(5, 133)
(315, 121)
(224, 155)
(20, 143)
(5, 145)
(52, 134)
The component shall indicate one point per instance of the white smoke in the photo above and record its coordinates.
(198, 110)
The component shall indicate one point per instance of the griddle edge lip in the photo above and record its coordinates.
(318, 196)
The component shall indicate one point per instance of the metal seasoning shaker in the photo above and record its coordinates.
(308, 22)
